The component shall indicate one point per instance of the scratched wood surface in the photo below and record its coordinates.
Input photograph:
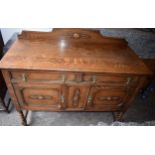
(72, 50)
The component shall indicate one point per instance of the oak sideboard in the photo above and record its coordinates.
(72, 70)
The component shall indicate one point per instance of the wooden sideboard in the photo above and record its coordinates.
(72, 70)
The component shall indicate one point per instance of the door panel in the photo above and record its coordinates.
(41, 96)
(76, 97)
(106, 98)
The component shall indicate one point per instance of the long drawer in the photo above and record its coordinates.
(68, 77)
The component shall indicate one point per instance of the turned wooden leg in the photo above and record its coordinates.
(118, 116)
(6, 107)
(23, 118)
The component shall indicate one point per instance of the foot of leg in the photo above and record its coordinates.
(8, 105)
(24, 122)
(4, 106)
(118, 116)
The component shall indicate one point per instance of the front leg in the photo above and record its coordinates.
(23, 118)
(118, 116)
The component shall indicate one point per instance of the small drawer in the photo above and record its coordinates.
(26, 76)
(110, 79)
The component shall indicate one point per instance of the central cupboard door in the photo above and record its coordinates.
(76, 97)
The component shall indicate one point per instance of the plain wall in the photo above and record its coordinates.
(8, 32)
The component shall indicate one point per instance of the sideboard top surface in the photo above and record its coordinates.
(78, 50)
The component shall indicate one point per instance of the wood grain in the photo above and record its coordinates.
(55, 52)
(72, 70)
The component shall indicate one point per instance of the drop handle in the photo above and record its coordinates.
(94, 79)
(62, 98)
(63, 78)
(24, 77)
(129, 79)
(89, 101)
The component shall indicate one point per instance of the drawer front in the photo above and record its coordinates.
(106, 98)
(39, 96)
(67, 77)
(21, 76)
(111, 79)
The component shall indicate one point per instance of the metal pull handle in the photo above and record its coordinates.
(129, 79)
(62, 99)
(63, 78)
(90, 99)
(94, 79)
(24, 78)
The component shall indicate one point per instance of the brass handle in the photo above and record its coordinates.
(94, 79)
(24, 78)
(129, 79)
(63, 78)
(90, 99)
(62, 99)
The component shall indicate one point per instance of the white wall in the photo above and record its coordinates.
(8, 32)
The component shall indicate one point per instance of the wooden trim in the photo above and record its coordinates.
(11, 90)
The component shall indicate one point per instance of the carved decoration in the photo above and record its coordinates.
(109, 98)
(35, 97)
(118, 116)
(76, 36)
(40, 97)
(76, 97)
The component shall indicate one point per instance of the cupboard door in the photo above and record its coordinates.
(76, 97)
(39, 97)
(106, 99)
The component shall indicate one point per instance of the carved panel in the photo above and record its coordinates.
(76, 35)
(104, 98)
(42, 96)
(76, 96)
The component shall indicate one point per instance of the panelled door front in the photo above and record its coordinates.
(102, 98)
(36, 97)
